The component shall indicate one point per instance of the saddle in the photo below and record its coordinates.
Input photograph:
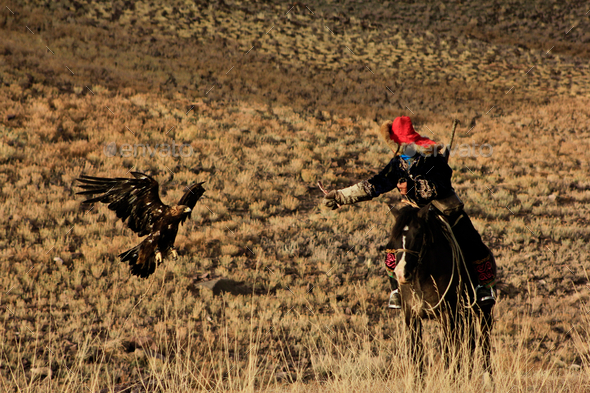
(449, 205)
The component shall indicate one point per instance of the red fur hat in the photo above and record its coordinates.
(401, 134)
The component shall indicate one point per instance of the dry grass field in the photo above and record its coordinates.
(272, 293)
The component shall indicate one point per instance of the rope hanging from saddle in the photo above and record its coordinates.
(458, 260)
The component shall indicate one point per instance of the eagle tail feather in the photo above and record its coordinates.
(132, 255)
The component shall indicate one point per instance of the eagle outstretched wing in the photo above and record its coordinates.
(191, 196)
(135, 199)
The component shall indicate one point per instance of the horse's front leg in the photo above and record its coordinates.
(416, 346)
(455, 326)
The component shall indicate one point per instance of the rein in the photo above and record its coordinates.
(396, 250)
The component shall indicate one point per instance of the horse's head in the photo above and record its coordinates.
(407, 239)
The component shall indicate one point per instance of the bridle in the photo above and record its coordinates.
(412, 252)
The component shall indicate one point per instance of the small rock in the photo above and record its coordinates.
(348, 311)
(58, 261)
(139, 342)
(145, 342)
(156, 355)
(281, 376)
(41, 372)
(68, 343)
(559, 363)
(222, 285)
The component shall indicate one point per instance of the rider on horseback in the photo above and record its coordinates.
(422, 175)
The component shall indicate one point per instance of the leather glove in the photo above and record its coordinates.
(330, 200)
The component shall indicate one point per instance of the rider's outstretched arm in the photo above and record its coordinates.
(383, 182)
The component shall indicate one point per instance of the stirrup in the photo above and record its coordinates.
(485, 296)
(395, 300)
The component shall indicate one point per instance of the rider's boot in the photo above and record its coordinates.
(485, 296)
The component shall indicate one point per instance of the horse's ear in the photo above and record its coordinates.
(394, 210)
(423, 213)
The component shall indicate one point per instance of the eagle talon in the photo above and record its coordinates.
(174, 254)
(158, 257)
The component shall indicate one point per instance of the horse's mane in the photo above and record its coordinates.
(406, 215)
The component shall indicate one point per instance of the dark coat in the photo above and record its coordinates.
(428, 178)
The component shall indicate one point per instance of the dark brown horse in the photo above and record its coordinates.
(436, 283)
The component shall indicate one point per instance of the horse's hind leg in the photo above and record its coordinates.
(470, 321)
(487, 321)
(448, 324)
(457, 337)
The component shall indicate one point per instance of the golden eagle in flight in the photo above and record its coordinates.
(137, 200)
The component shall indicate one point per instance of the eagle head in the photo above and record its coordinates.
(181, 211)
